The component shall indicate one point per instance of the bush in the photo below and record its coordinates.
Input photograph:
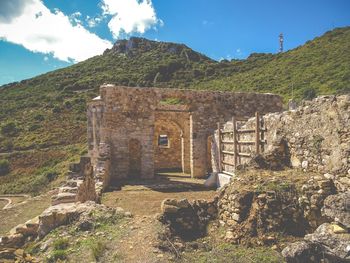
(34, 127)
(60, 244)
(9, 129)
(7, 144)
(97, 248)
(58, 254)
(56, 109)
(51, 175)
(39, 117)
(4, 167)
(309, 94)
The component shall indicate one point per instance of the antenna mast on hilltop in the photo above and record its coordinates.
(281, 42)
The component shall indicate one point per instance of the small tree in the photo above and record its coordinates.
(4, 167)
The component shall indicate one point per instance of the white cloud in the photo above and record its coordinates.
(93, 21)
(75, 18)
(130, 16)
(39, 30)
(46, 58)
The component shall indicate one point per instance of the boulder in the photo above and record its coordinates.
(63, 214)
(337, 208)
(301, 251)
(335, 245)
(12, 241)
(326, 244)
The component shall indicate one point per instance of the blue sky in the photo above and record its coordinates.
(39, 36)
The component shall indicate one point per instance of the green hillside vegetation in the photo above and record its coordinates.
(321, 66)
(46, 115)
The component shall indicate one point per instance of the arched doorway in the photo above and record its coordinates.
(168, 146)
(134, 158)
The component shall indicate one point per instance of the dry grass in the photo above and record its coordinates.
(21, 213)
(2, 203)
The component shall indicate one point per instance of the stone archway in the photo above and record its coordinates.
(168, 145)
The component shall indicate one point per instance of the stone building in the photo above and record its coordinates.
(134, 132)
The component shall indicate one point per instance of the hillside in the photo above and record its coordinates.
(43, 123)
(321, 65)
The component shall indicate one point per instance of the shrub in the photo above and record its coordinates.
(51, 175)
(9, 129)
(309, 94)
(39, 117)
(97, 249)
(56, 109)
(67, 104)
(4, 167)
(58, 254)
(33, 127)
(7, 144)
(60, 244)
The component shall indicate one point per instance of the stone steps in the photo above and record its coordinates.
(63, 198)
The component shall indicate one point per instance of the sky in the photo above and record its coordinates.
(37, 36)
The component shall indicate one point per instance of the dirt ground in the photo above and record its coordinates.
(22, 210)
(143, 200)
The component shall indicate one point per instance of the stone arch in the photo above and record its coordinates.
(168, 157)
(135, 151)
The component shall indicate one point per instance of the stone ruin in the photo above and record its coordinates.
(135, 132)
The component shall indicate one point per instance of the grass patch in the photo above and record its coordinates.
(61, 244)
(231, 253)
(57, 254)
(172, 101)
(97, 247)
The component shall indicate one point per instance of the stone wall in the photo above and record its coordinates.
(256, 206)
(314, 137)
(317, 133)
(122, 114)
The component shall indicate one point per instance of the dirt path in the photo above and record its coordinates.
(144, 201)
(12, 200)
(21, 210)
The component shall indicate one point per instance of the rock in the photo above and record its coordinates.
(183, 203)
(12, 241)
(305, 164)
(339, 230)
(128, 214)
(62, 214)
(212, 210)
(300, 252)
(119, 210)
(169, 206)
(85, 225)
(337, 207)
(334, 246)
(329, 176)
(63, 198)
(169, 209)
(8, 254)
(229, 235)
